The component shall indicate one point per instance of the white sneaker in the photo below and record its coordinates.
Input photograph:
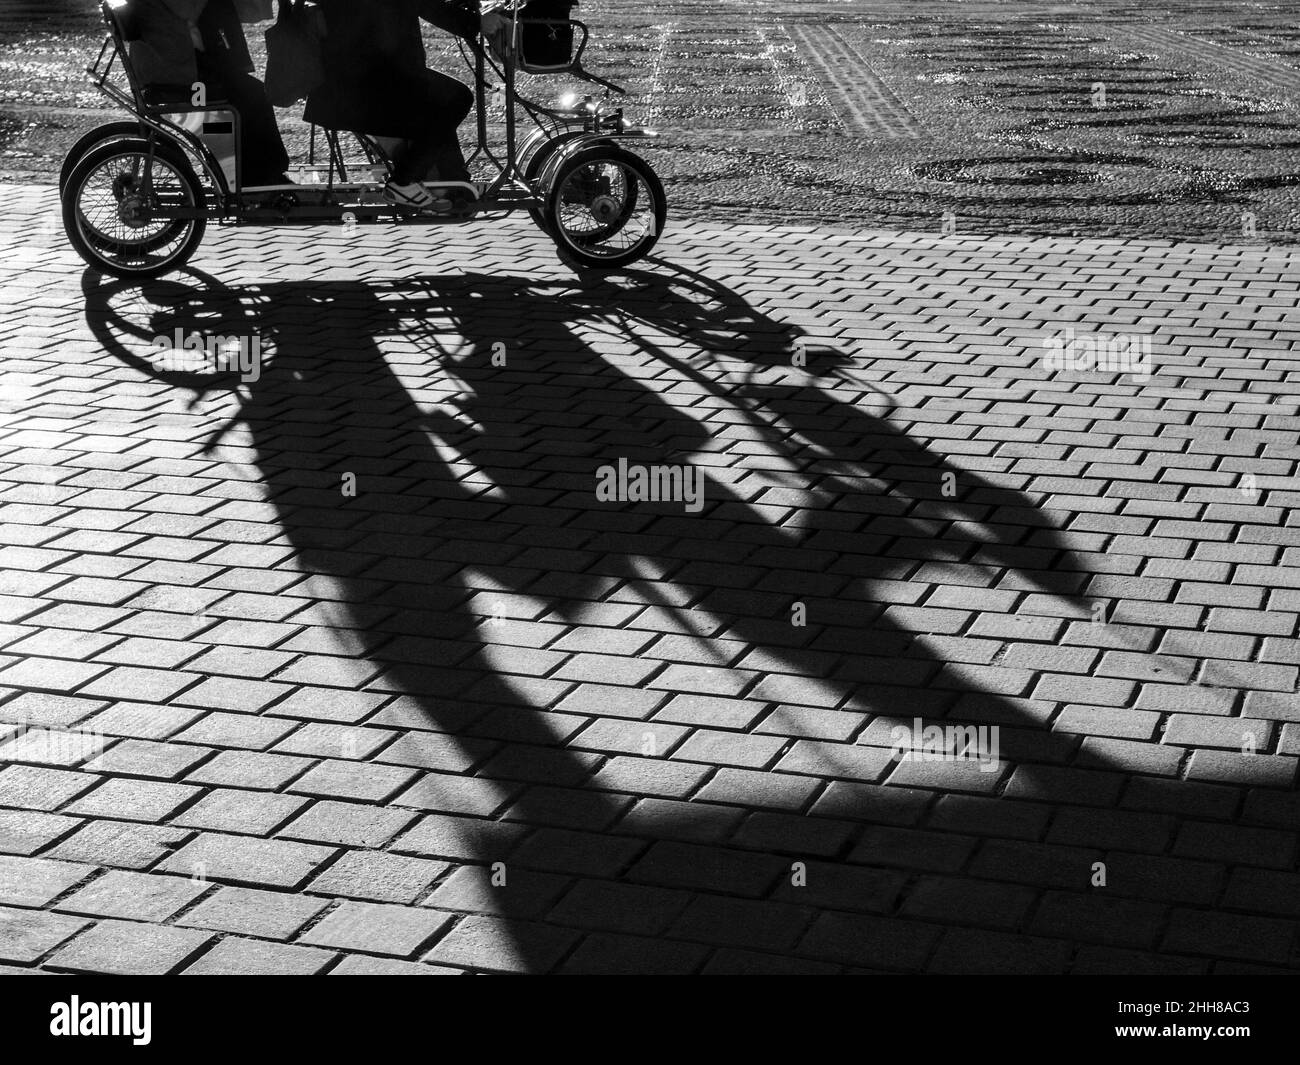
(415, 196)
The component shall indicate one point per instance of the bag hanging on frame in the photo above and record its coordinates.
(294, 63)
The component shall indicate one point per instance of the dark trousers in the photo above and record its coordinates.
(432, 151)
(261, 149)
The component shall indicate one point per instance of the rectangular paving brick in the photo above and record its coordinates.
(377, 929)
(350, 824)
(812, 723)
(1129, 755)
(246, 860)
(618, 907)
(525, 894)
(790, 834)
(1264, 891)
(463, 838)
(969, 902)
(975, 952)
(649, 776)
(608, 669)
(691, 866)
(364, 965)
(1093, 787)
(241, 731)
(436, 751)
(142, 721)
(36, 881)
(759, 925)
(1098, 918)
(496, 945)
(710, 711)
(250, 957)
(362, 781)
(858, 938)
(250, 912)
(577, 853)
(1234, 767)
(28, 831)
(134, 896)
(743, 787)
(607, 954)
(147, 758)
(120, 844)
(128, 799)
(139, 684)
(445, 793)
(254, 813)
(52, 674)
(334, 741)
(378, 876)
(610, 700)
(1236, 843)
(250, 769)
(236, 694)
(25, 935)
(1194, 730)
(618, 736)
(1231, 935)
(50, 710)
(53, 747)
(130, 948)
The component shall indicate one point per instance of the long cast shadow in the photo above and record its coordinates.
(475, 535)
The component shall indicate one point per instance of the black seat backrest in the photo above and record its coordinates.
(121, 15)
(124, 25)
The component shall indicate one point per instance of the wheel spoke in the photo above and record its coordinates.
(605, 209)
(114, 209)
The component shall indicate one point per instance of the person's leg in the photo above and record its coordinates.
(449, 160)
(261, 148)
(436, 105)
(414, 160)
(456, 101)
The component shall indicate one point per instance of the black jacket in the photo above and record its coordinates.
(163, 52)
(375, 69)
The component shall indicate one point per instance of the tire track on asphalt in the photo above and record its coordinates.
(865, 100)
(1272, 72)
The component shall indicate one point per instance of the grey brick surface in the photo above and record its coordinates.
(36, 881)
(26, 934)
(251, 957)
(129, 948)
(379, 877)
(331, 727)
(487, 943)
(134, 896)
(377, 929)
(251, 912)
(246, 860)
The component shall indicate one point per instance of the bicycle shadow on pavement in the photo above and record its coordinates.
(474, 560)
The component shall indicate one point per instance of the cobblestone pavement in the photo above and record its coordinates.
(343, 667)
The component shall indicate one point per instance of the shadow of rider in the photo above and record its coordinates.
(554, 653)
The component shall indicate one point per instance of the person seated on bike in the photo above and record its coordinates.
(183, 42)
(377, 83)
